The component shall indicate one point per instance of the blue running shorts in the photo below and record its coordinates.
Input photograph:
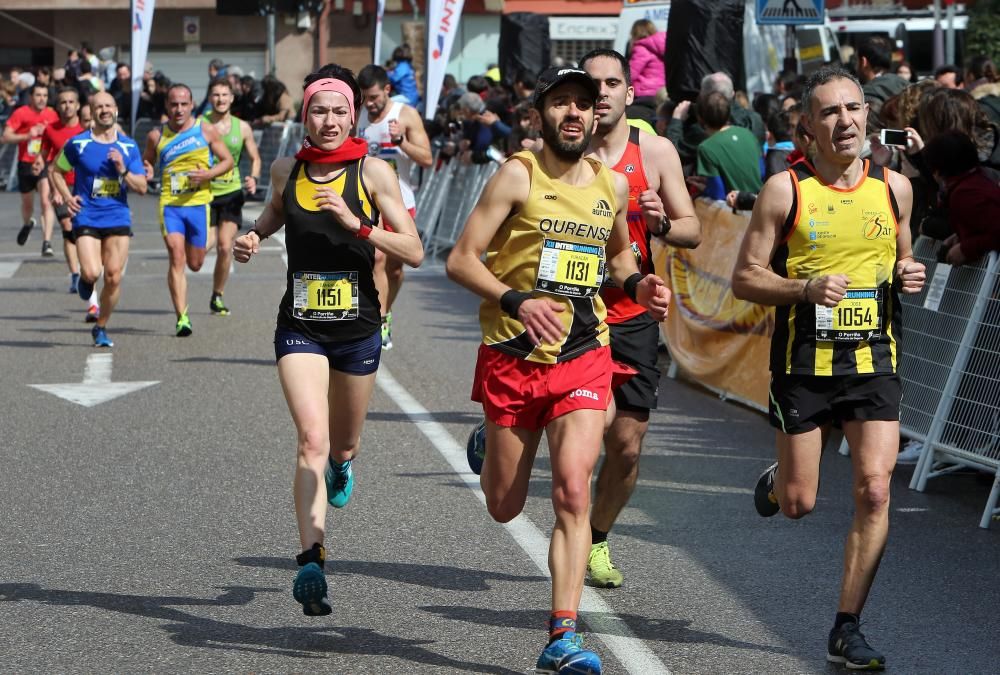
(190, 221)
(354, 357)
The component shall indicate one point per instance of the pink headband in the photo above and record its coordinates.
(328, 84)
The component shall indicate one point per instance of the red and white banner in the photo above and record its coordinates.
(443, 17)
(377, 47)
(142, 28)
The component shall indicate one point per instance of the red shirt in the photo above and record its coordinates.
(620, 306)
(53, 140)
(974, 213)
(21, 121)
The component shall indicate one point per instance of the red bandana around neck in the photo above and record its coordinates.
(352, 149)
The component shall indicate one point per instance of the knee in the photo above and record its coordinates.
(314, 444)
(503, 510)
(571, 497)
(195, 264)
(112, 277)
(797, 502)
(871, 494)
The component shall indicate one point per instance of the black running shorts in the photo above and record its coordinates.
(102, 232)
(228, 208)
(634, 342)
(26, 180)
(801, 403)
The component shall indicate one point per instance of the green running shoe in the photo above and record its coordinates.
(217, 306)
(183, 325)
(387, 331)
(600, 570)
(339, 483)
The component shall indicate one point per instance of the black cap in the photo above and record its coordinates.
(550, 78)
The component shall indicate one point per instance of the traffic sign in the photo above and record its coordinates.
(789, 11)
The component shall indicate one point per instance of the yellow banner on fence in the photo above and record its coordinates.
(715, 339)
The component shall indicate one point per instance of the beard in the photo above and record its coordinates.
(565, 150)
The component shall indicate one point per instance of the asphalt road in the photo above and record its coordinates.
(155, 531)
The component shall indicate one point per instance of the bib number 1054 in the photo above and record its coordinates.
(854, 317)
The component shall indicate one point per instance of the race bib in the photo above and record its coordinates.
(181, 183)
(34, 146)
(856, 318)
(224, 179)
(105, 187)
(325, 296)
(566, 268)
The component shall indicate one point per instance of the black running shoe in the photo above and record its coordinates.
(22, 235)
(47, 251)
(763, 494)
(848, 646)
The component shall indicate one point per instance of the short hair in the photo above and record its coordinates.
(821, 76)
(402, 53)
(949, 68)
(951, 153)
(68, 90)
(878, 51)
(718, 82)
(180, 85)
(221, 82)
(981, 66)
(38, 85)
(335, 71)
(218, 64)
(472, 102)
(477, 84)
(782, 123)
(608, 54)
(372, 75)
(713, 109)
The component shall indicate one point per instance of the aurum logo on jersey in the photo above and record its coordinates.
(876, 225)
(603, 209)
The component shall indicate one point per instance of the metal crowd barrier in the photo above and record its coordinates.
(8, 162)
(950, 369)
(281, 139)
(445, 201)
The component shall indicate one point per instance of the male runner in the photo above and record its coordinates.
(550, 223)
(106, 163)
(227, 190)
(25, 127)
(395, 133)
(829, 245)
(184, 148)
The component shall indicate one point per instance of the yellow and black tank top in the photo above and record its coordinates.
(850, 231)
(330, 294)
(179, 153)
(554, 248)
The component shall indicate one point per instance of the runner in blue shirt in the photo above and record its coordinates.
(107, 164)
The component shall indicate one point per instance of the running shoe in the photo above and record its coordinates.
(101, 338)
(567, 655)
(93, 314)
(183, 325)
(847, 645)
(387, 331)
(217, 306)
(475, 448)
(25, 231)
(309, 589)
(84, 289)
(74, 282)
(763, 494)
(600, 570)
(339, 483)
(47, 251)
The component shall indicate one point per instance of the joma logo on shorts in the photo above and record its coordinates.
(586, 393)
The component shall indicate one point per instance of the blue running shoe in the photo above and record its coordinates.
(74, 282)
(339, 483)
(84, 288)
(101, 338)
(475, 448)
(309, 589)
(567, 656)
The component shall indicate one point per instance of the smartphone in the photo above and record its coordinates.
(893, 137)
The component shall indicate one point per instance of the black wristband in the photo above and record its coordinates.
(257, 232)
(631, 283)
(511, 301)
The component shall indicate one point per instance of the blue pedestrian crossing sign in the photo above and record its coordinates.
(789, 11)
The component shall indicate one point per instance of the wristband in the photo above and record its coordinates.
(398, 140)
(364, 230)
(631, 283)
(257, 232)
(511, 301)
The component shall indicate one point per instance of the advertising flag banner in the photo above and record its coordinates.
(142, 28)
(443, 17)
(377, 47)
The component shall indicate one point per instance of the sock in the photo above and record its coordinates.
(316, 554)
(845, 617)
(94, 299)
(560, 622)
(596, 536)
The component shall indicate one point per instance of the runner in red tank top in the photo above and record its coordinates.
(658, 205)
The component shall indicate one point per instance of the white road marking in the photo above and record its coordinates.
(9, 269)
(610, 629)
(96, 387)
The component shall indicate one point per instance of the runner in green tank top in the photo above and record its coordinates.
(227, 189)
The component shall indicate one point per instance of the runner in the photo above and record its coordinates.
(327, 343)
(53, 139)
(25, 127)
(659, 204)
(184, 149)
(227, 191)
(544, 222)
(107, 164)
(395, 133)
(829, 245)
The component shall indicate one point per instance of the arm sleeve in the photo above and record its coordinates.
(62, 161)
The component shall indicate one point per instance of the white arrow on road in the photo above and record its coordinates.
(96, 387)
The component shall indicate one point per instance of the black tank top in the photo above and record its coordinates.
(330, 294)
